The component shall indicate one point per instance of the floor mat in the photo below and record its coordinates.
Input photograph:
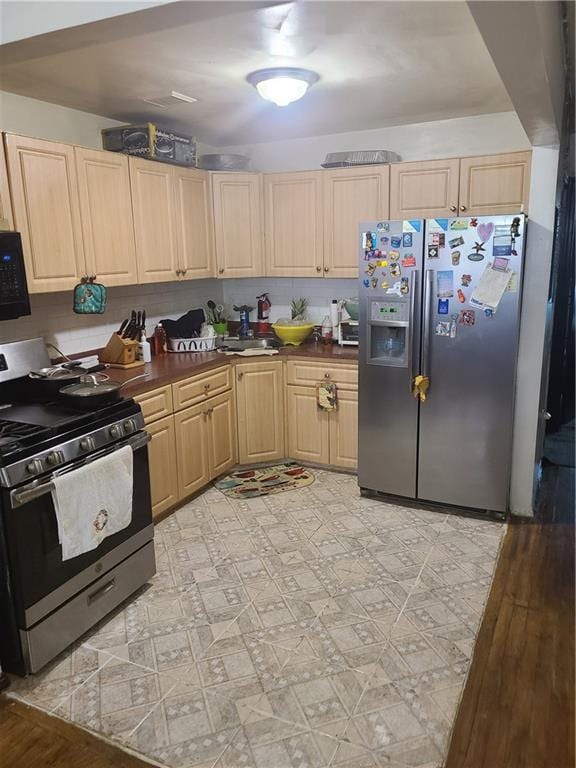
(249, 483)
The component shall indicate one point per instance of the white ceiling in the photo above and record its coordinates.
(380, 63)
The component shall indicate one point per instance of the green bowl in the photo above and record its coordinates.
(351, 306)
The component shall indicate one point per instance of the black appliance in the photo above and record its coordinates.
(47, 603)
(14, 299)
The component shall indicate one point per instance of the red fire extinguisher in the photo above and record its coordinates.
(264, 307)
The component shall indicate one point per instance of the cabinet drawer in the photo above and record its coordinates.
(307, 373)
(198, 388)
(155, 404)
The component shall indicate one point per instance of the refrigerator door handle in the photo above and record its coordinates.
(428, 286)
(413, 289)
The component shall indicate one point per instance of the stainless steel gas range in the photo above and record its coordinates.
(46, 603)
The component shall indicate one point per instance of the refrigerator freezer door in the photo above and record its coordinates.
(389, 350)
(466, 420)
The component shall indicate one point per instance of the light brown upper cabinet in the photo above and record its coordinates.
(494, 184)
(237, 200)
(44, 188)
(194, 234)
(471, 186)
(106, 215)
(154, 220)
(6, 219)
(293, 215)
(351, 195)
(422, 190)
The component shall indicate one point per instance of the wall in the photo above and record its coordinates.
(52, 316)
(31, 117)
(484, 134)
(19, 114)
(281, 291)
(533, 350)
(21, 20)
(532, 72)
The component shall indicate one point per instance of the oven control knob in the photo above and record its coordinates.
(115, 431)
(54, 458)
(129, 426)
(35, 467)
(87, 444)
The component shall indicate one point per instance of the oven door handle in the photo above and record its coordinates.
(35, 489)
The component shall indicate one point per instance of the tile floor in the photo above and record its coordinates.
(310, 629)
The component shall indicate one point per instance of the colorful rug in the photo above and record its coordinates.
(248, 483)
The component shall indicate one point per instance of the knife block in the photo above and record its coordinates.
(120, 353)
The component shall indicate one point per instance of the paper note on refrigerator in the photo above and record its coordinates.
(490, 288)
(445, 284)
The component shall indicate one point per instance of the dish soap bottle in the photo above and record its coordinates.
(327, 330)
(144, 350)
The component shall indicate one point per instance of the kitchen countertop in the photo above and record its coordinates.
(173, 367)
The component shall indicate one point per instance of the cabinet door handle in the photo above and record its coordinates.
(462, 207)
(240, 375)
(326, 375)
(326, 269)
(221, 271)
(183, 271)
(206, 387)
(318, 269)
(453, 208)
(178, 272)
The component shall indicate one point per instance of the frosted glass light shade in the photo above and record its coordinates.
(284, 85)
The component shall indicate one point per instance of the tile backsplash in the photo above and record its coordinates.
(53, 319)
(281, 291)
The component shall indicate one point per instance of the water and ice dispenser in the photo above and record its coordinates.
(388, 332)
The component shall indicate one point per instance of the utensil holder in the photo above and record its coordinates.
(121, 353)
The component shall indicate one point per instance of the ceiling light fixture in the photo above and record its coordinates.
(282, 85)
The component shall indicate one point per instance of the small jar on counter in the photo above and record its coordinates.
(327, 335)
(159, 341)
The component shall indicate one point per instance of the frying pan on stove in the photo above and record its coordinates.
(90, 394)
(47, 382)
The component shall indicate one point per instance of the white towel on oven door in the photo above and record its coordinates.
(93, 502)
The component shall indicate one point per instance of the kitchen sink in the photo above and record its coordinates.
(234, 343)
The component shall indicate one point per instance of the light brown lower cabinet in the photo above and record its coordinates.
(264, 422)
(260, 410)
(205, 442)
(308, 426)
(162, 464)
(322, 437)
(221, 433)
(344, 431)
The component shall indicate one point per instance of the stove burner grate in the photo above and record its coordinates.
(13, 434)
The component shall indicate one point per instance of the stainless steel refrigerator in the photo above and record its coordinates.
(439, 309)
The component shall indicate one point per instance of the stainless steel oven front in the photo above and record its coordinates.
(46, 603)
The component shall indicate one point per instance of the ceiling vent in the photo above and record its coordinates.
(174, 99)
